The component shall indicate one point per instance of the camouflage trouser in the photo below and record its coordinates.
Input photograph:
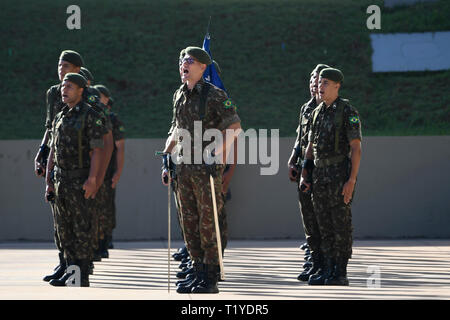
(194, 192)
(73, 215)
(106, 209)
(223, 224)
(309, 221)
(55, 231)
(334, 217)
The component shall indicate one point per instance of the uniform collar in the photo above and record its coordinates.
(76, 109)
(198, 86)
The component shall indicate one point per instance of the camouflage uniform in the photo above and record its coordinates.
(331, 172)
(118, 131)
(309, 220)
(54, 105)
(73, 212)
(193, 183)
(100, 202)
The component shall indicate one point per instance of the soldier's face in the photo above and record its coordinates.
(180, 69)
(70, 92)
(104, 99)
(66, 67)
(327, 89)
(313, 83)
(191, 69)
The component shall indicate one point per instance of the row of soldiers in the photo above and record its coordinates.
(81, 157)
(325, 163)
(198, 100)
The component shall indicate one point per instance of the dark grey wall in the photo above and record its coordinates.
(403, 190)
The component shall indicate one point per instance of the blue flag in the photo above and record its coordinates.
(211, 74)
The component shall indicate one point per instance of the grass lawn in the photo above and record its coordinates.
(266, 50)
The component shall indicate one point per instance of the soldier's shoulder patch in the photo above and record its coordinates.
(99, 122)
(229, 104)
(92, 98)
(122, 129)
(354, 119)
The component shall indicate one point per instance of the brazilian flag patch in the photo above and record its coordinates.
(91, 98)
(121, 129)
(229, 104)
(354, 119)
(98, 122)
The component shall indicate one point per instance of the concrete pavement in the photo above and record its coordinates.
(255, 270)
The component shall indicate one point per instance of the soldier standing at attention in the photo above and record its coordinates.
(91, 95)
(115, 167)
(193, 179)
(75, 156)
(69, 61)
(309, 220)
(334, 151)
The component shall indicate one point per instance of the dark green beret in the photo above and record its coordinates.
(217, 67)
(94, 91)
(73, 57)
(319, 68)
(76, 78)
(199, 54)
(182, 54)
(104, 90)
(86, 73)
(332, 74)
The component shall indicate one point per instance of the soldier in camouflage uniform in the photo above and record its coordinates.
(334, 151)
(75, 151)
(114, 172)
(309, 220)
(69, 61)
(193, 179)
(92, 96)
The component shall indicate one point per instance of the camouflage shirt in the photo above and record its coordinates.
(94, 101)
(303, 126)
(322, 132)
(70, 124)
(220, 112)
(54, 104)
(118, 132)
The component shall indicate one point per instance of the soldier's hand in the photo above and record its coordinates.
(306, 184)
(347, 191)
(165, 177)
(39, 169)
(115, 180)
(90, 188)
(293, 173)
(49, 190)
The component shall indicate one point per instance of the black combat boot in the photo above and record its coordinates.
(61, 282)
(91, 267)
(59, 270)
(317, 263)
(200, 274)
(84, 268)
(183, 273)
(323, 273)
(110, 244)
(209, 282)
(103, 248)
(188, 279)
(182, 253)
(339, 277)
